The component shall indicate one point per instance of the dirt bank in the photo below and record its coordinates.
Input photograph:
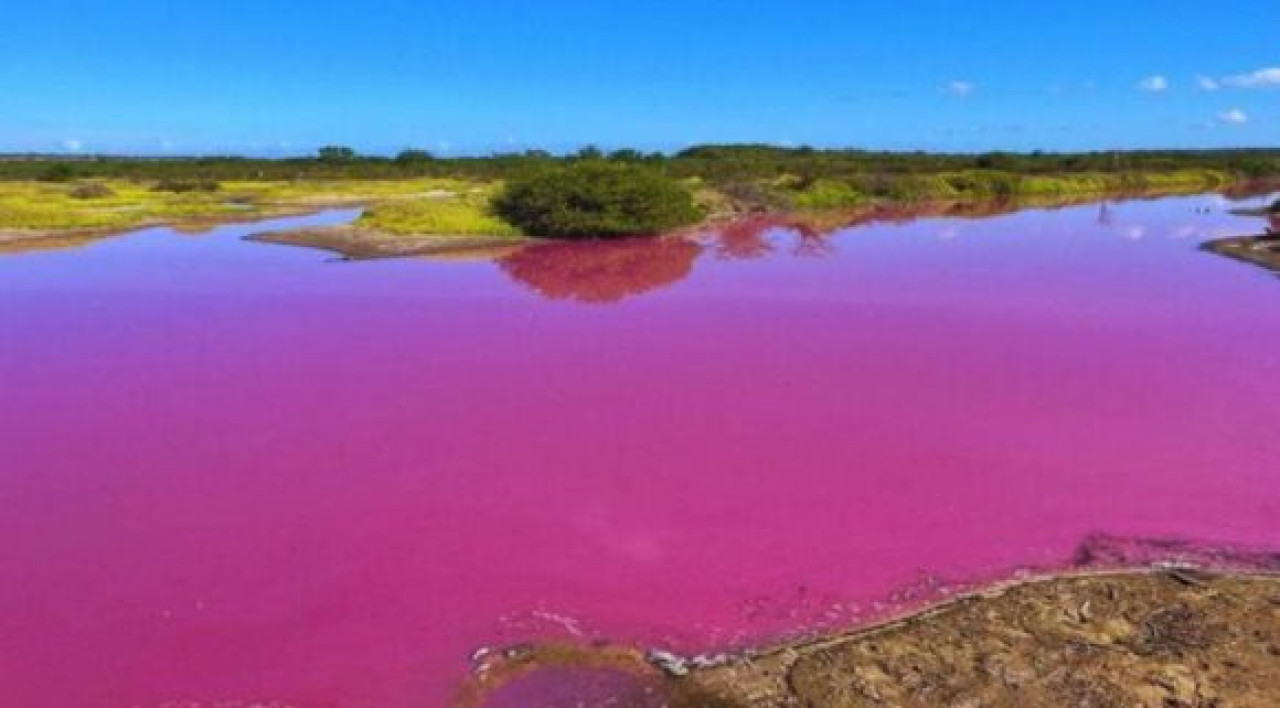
(358, 243)
(14, 241)
(1164, 639)
(1263, 250)
(1173, 638)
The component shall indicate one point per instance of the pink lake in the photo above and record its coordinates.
(239, 475)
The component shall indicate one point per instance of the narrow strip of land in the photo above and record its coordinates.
(420, 204)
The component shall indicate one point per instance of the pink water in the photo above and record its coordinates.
(234, 474)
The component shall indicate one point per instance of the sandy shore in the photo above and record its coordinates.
(1161, 638)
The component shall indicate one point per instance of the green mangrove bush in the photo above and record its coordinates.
(597, 199)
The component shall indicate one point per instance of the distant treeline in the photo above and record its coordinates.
(717, 164)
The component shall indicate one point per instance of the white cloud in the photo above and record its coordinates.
(1235, 116)
(1154, 84)
(1262, 78)
(960, 89)
(72, 145)
(1207, 83)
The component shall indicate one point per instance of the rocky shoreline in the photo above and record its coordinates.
(1260, 250)
(1158, 638)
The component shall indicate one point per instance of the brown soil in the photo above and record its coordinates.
(357, 243)
(1137, 639)
(15, 241)
(1259, 250)
(1158, 640)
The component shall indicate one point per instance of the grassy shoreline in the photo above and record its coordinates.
(57, 214)
(416, 193)
(360, 240)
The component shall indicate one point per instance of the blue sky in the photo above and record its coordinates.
(475, 76)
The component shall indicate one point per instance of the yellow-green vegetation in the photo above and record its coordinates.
(351, 191)
(827, 194)
(122, 204)
(1100, 183)
(979, 184)
(463, 211)
(116, 205)
(464, 204)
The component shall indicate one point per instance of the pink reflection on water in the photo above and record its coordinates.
(234, 473)
(601, 272)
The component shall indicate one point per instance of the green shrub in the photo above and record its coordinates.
(597, 199)
(336, 154)
(905, 188)
(414, 157)
(983, 183)
(58, 172)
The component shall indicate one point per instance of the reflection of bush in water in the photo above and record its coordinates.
(748, 239)
(601, 271)
(745, 239)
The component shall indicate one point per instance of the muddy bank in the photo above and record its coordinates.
(1158, 639)
(14, 241)
(1260, 250)
(358, 243)
(1263, 250)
